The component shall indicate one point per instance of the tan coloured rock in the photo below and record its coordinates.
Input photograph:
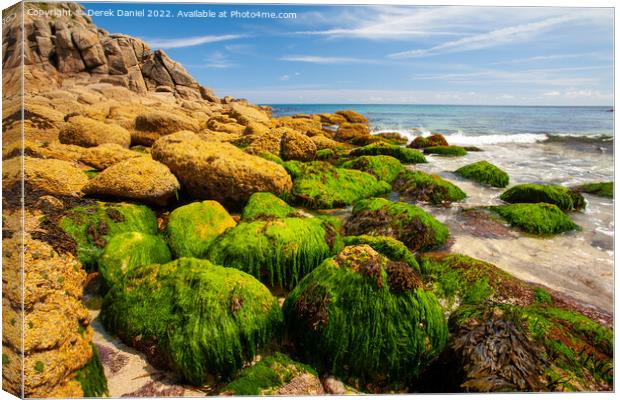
(321, 142)
(354, 133)
(219, 171)
(244, 114)
(151, 126)
(306, 126)
(296, 146)
(87, 132)
(106, 155)
(353, 117)
(260, 139)
(141, 179)
(332, 119)
(43, 176)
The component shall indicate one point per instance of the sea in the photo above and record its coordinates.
(549, 145)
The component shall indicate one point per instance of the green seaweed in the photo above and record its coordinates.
(485, 173)
(192, 316)
(266, 376)
(319, 184)
(264, 205)
(271, 157)
(420, 186)
(416, 228)
(542, 296)
(385, 168)
(279, 251)
(92, 378)
(403, 154)
(325, 154)
(448, 151)
(391, 248)
(604, 189)
(192, 228)
(362, 315)
(131, 249)
(565, 198)
(92, 226)
(538, 219)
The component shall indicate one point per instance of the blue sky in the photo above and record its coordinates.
(388, 54)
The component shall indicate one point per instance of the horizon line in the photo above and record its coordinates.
(428, 104)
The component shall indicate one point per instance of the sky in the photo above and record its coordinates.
(385, 54)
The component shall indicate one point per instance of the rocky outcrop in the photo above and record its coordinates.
(218, 171)
(66, 47)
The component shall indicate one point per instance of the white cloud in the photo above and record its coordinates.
(285, 78)
(552, 93)
(328, 60)
(497, 37)
(543, 58)
(218, 60)
(189, 41)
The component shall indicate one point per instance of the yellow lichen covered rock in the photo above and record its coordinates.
(355, 133)
(106, 155)
(353, 117)
(296, 146)
(218, 171)
(44, 176)
(307, 126)
(141, 179)
(321, 142)
(88, 132)
(244, 114)
(151, 126)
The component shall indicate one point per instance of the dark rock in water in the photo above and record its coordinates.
(361, 315)
(421, 142)
(481, 223)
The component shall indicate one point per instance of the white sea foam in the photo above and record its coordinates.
(460, 138)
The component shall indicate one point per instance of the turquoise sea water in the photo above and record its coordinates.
(475, 124)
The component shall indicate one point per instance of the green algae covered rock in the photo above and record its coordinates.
(264, 205)
(393, 249)
(192, 228)
(325, 154)
(271, 157)
(420, 186)
(277, 251)
(385, 168)
(539, 218)
(92, 226)
(392, 138)
(604, 189)
(565, 198)
(411, 225)
(363, 315)
(403, 154)
(460, 279)
(131, 249)
(321, 185)
(92, 378)
(485, 173)
(275, 375)
(192, 316)
(449, 151)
